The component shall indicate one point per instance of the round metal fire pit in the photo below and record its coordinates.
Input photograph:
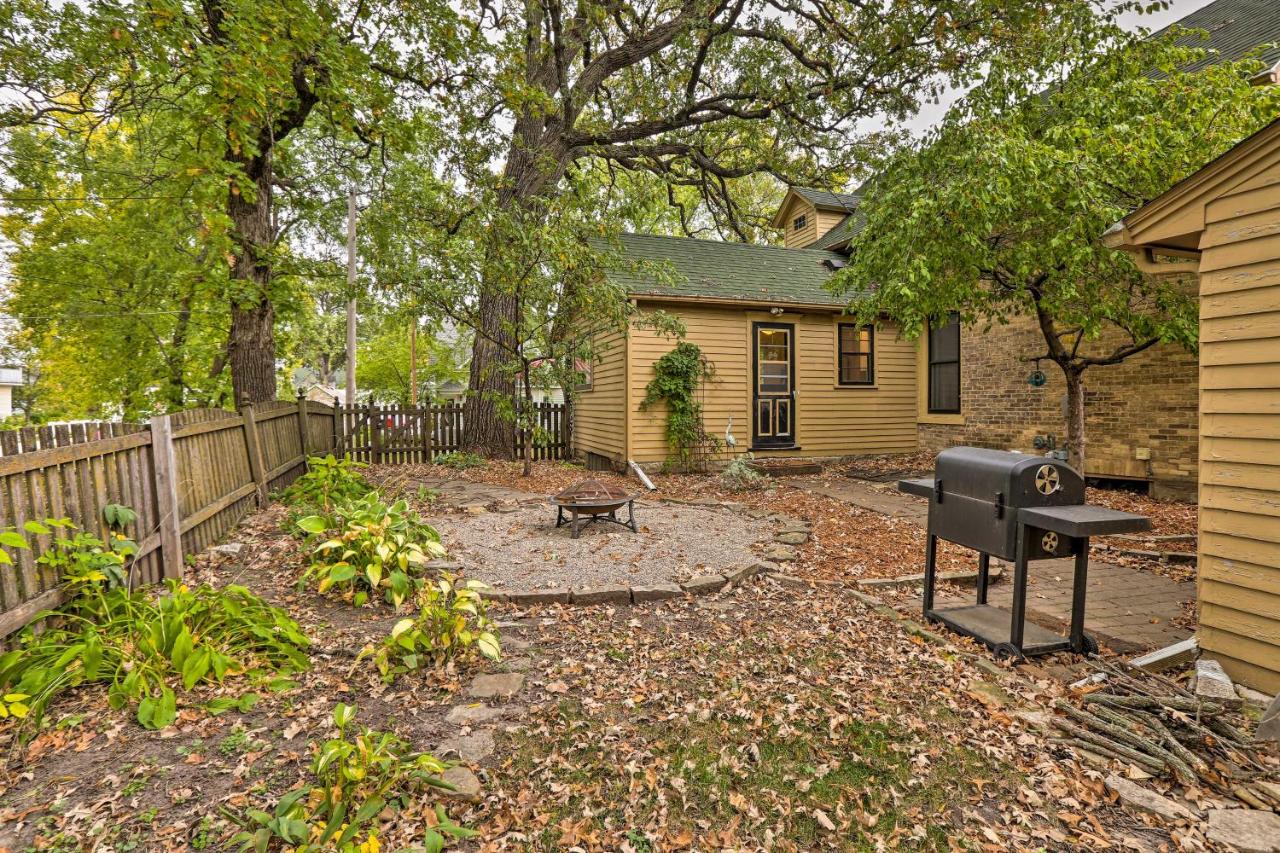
(590, 501)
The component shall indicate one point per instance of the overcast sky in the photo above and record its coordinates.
(930, 113)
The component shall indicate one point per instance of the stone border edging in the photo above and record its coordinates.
(617, 594)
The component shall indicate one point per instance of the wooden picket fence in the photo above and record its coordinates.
(417, 434)
(189, 476)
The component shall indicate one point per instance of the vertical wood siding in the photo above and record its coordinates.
(1240, 430)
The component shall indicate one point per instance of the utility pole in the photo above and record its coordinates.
(413, 362)
(351, 301)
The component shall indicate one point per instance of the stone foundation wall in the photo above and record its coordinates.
(1148, 401)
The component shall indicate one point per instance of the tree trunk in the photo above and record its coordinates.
(1075, 417)
(252, 342)
(526, 422)
(485, 431)
(532, 167)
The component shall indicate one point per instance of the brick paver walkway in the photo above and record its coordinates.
(1126, 609)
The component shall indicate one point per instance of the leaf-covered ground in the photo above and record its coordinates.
(766, 718)
(777, 719)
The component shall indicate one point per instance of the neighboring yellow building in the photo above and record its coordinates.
(793, 376)
(1225, 221)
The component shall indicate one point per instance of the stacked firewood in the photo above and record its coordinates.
(1151, 721)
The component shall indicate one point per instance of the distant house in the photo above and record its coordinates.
(1224, 223)
(10, 378)
(456, 392)
(322, 392)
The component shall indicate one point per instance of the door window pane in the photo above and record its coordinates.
(764, 417)
(783, 408)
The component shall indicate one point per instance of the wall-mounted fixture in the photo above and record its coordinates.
(777, 312)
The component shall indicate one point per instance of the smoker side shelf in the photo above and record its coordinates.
(1083, 520)
(922, 487)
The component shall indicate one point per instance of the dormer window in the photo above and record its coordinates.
(799, 222)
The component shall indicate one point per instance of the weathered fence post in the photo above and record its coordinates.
(375, 434)
(303, 427)
(167, 507)
(254, 449)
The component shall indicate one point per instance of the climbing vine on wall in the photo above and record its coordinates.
(678, 375)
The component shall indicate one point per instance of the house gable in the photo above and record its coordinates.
(807, 217)
(1177, 218)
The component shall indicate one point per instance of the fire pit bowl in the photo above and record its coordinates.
(590, 501)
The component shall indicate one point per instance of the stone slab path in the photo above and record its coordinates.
(1126, 609)
(882, 498)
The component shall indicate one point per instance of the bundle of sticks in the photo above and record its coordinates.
(1151, 721)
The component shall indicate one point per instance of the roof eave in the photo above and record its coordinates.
(732, 301)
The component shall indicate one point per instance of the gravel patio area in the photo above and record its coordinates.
(523, 549)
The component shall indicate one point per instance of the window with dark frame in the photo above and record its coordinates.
(944, 367)
(856, 360)
(799, 222)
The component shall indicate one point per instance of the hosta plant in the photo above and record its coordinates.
(450, 623)
(327, 482)
(144, 645)
(459, 460)
(356, 776)
(378, 548)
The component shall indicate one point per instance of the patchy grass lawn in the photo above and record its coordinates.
(764, 718)
(771, 719)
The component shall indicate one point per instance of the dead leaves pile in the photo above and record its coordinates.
(768, 720)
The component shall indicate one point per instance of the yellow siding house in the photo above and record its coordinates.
(1225, 221)
(793, 376)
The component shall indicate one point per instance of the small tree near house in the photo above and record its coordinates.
(999, 212)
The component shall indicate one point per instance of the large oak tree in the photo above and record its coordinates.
(698, 94)
(217, 90)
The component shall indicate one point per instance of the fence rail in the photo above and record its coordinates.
(418, 434)
(189, 476)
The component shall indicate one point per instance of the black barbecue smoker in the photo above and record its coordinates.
(1017, 508)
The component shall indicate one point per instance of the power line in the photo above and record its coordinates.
(105, 315)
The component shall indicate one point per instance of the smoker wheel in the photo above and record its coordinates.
(1009, 650)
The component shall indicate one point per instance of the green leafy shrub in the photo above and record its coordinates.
(118, 516)
(450, 623)
(373, 547)
(328, 481)
(678, 374)
(459, 461)
(356, 776)
(739, 476)
(139, 643)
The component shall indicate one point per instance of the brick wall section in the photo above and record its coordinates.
(1150, 400)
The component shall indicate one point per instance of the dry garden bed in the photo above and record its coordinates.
(766, 717)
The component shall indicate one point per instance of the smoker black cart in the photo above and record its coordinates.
(1017, 508)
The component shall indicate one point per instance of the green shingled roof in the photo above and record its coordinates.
(844, 231)
(1235, 27)
(828, 200)
(712, 268)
